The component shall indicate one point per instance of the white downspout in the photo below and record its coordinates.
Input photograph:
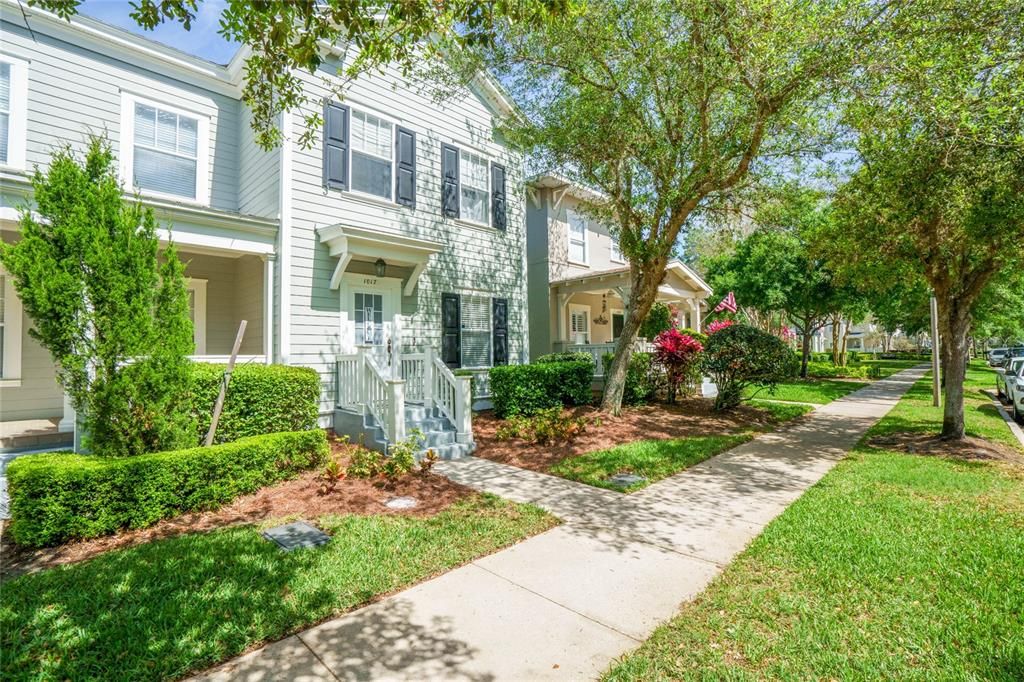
(284, 244)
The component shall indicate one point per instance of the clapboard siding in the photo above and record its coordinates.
(74, 92)
(39, 396)
(474, 259)
(259, 172)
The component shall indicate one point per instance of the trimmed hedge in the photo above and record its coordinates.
(643, 378)
(261, 399)
(60, 497)
(528, 389)
(826, 370)
(566, 356)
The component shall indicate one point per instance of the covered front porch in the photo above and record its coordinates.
(588, 311)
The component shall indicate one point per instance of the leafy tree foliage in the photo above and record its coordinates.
(940, 185)
(739, 356)
(658, 320)
(665, 106)
(113, 315)
(286, 36)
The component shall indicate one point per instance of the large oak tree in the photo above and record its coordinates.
(940, 185)
(666, 106)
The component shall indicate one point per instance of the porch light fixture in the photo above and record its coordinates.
(602, 319)
(380, 267)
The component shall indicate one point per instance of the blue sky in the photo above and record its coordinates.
(202, 41)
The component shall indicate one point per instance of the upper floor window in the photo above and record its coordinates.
(472, 188)
(474, 202)
(373, 149)
(615, 253)
(165, 150)
(13, 107)
(367, 154)
(577, 238)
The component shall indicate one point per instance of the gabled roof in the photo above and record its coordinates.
(554, 180)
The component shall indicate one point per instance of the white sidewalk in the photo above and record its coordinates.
(562, 605)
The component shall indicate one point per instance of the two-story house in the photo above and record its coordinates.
(388, 256)
(578, 278)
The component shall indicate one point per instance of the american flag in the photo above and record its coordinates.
(728, 303)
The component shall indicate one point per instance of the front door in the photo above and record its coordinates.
(370, 304)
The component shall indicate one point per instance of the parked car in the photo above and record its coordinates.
(1006, 374)
(1015, 392)
(997, 355)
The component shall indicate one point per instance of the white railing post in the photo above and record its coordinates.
(428, 377)
(463, 409)
(396, 410)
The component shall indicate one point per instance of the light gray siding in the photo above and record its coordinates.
(474, 259)
(39, 396)
(258, 172)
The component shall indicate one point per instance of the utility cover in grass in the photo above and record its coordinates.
(401, 503)
(296, 535)
(624, 480)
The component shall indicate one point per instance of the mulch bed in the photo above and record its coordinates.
(690, 417)
(927, 444)
(298, 498)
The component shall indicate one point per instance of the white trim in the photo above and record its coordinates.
(209, 242)
(198, 288)
(12, 332)
(268, 308)
(612, 312)
(284, 248)
(17, 132)
(489, 298)
(127, 148)
(569, 215)
(575, 308)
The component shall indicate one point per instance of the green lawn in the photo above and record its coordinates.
(894, 566)
(164, 609)
(887, 368)
(658, 459)
(817, 391)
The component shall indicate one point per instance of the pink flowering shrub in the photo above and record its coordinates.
(719, 325)
(678, 354)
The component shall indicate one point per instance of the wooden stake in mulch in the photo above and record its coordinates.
(224, 385)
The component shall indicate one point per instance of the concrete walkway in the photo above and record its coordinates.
(562, 605)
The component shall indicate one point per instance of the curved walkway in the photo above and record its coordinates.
(563, 604)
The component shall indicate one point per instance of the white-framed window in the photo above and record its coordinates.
(579, 324)
(372, 157)
(614, 251)
(474, 183)
(13, 111)
(10, 333)
(577, 238)
(165, 151)
(197, 311)
(475, 320)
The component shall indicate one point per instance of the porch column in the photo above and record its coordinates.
(695, 308)
(67, 422)
(268, 307)
(562, 302)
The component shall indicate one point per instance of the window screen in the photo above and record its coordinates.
(476, 331)
(166, 149)
(372, 148)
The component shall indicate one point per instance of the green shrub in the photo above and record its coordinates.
(643, 378)
(548, 425)
(693, 333)
(826, 370)
(260, 399)
(566, 356)
(659, 319)
(59, 497)
(740, 356)
(528, 389)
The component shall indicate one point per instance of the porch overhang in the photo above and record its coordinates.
(348, 243)
(680, 283)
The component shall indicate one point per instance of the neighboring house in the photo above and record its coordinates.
(865, 337)
(578, 278)
(390, 254)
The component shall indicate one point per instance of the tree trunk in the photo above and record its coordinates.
(806, 353)
(846, 338)
(954, 325)
(836, 322)
(641, 297)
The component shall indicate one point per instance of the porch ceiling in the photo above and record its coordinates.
(680, 283)
(356, 243)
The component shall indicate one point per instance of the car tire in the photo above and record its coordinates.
(1017, 416)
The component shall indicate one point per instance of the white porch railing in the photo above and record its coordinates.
(361, 383)
(597, 351)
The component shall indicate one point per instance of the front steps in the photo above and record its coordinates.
(438, 433)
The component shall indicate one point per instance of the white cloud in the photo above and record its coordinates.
(202, 41)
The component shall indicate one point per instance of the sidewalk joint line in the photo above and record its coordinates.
(316, 655)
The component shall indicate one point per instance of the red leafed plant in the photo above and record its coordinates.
(677, 353)
(719, 325)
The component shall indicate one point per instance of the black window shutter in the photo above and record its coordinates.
(499, 333)
(405, 167)
(335, 146)
(449, 180)
(498, 204)
(451, 331)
